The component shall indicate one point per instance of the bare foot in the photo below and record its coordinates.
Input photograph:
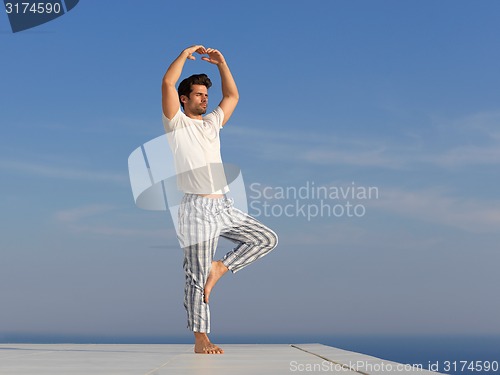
(218, 269)
(202, 345)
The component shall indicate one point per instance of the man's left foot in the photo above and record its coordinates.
(202, 345)
(218, 269)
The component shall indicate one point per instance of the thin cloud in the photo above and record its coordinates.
(96, 219)
(161, 234)
(75, 214)
(468, 141)
(66, 173)
(467, 156)
(482, 122)
(440, 207)
(361, 158)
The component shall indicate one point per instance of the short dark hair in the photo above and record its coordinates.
(186, 86)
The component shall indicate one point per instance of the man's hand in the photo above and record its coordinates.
(214, 56)
(196, 48)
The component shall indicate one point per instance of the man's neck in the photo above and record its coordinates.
(193, 116)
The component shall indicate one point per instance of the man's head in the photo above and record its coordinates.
(193, 93)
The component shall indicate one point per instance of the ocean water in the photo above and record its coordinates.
(446, 354)
(457, 355)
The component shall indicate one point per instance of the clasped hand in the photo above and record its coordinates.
(214, 56)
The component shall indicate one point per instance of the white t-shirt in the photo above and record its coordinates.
(195, 145)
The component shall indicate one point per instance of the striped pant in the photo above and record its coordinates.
(201, 222)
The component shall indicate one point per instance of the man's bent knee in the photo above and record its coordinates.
(272, 240)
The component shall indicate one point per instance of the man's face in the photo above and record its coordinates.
(197, 102)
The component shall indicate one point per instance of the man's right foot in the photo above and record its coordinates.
(202, 345)
(216, 272)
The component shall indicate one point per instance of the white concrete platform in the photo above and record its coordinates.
(146, 359)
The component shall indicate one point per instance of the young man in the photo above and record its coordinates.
(205, 212)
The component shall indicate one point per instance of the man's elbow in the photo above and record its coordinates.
(233, 97)
(166, 82)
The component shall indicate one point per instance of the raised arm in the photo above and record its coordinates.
(170, 98)
(230, 94)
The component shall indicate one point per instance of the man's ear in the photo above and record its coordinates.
(184, 99)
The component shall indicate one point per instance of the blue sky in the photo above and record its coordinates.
(402, 96)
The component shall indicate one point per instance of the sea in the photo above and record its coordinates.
(458, 355)
(452, 354)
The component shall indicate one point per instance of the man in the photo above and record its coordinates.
(205, 212)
